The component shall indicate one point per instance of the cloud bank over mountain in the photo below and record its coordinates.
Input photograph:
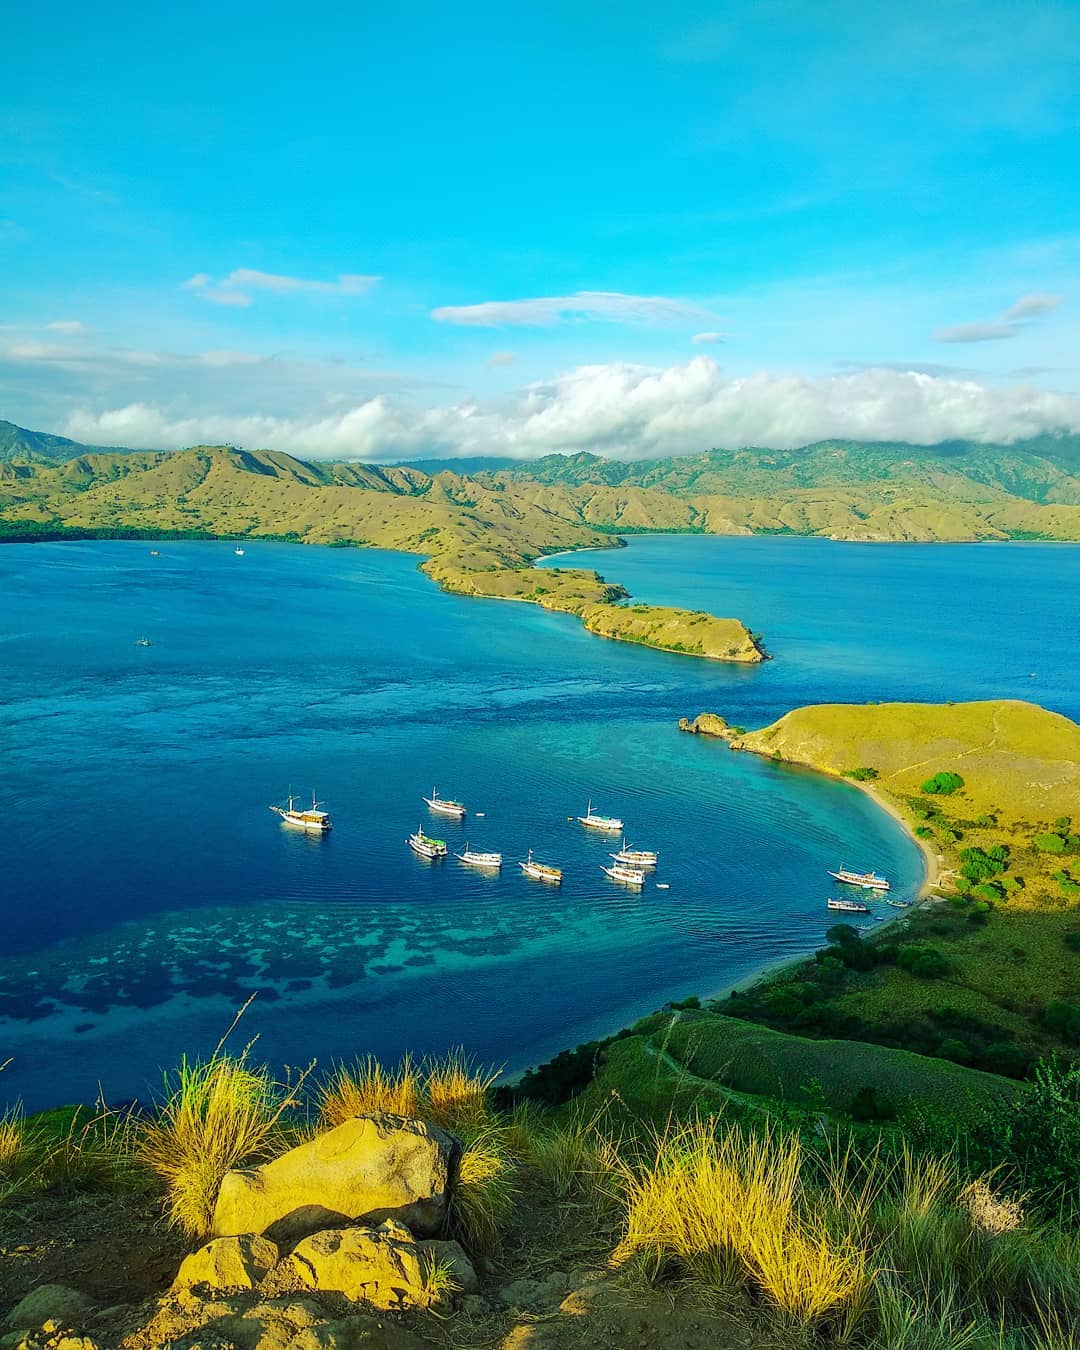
(619, 409)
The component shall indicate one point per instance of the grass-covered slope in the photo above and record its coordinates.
(989, 976)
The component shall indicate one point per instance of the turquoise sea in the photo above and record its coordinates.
(146, 889)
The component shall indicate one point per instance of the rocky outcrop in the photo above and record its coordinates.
(368, 1169)
(228, 1263)
(707, 724)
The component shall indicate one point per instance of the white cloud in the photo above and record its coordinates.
(547, 310)
(628, 411)
(978, 332)
(701, 339)
(1030, 306)
(235, 288)
(66, 326)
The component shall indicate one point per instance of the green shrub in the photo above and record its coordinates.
(1050, 843)
(926, 962)
(862, 775)
(989, 890)
(924, 832)
(943, 784)
(955, 1050)
(1072, 939)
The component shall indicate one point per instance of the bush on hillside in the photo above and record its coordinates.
(862, 775)
(942, 784)
(1050, 843)
(926, 962)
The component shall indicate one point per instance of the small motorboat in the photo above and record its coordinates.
(899, 904)
(155, 553)
(471, 858)
(444, 805)
(610, 824)
(663, 886)
(424, 845)
(142, 642)
(312, 818)
(238, 551)
(629, 876)
(541, 871)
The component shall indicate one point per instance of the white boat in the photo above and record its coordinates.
(595, 822)
(444, 805)
(629, 876)
(899, 904)
(848, 906)
(541, 871)
(635, 857)
(869, 881)
(142, 642)
(473, 859)
(425, 845)
(663, 886)
(238, 551)
(306, 818)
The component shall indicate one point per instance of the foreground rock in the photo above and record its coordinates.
(48, 1303)
(706, 724)
(383, 1266)
(228, 1263)
(369, 1169)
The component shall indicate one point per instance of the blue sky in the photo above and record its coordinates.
(629, 228)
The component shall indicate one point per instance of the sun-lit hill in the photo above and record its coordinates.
(992, 791)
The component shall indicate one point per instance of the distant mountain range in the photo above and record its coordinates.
(511, 509)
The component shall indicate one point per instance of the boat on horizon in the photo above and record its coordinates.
(635, 857)
(471, 858)
(155, 553)
(142, 642)
(444, 805)
(311, 818)
(848, 906)
(869, 881)
(629, 876)
(592, 821)
(424, 845)
(238, 551)
(541, 871)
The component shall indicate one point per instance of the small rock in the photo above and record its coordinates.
(48, 1302)
(228, 1263)
(459, 1267)
(522, 1294)
(370, 1168)
(382, 1266)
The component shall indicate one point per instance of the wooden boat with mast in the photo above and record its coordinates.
(591, 821)
(629, 876)
(425, 846)
(541, 871)
(445, 806)
(635, 857)
(311, 818)
(471, 858)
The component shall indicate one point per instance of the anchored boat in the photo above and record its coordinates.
(635, 857)
(238, 551)
(473, 859)
(848, 906)
(595, 822)
(899, 904)
(629, 876)
(444, 805)
(307, 818)
(541, 871)
(425, 845)
(869, 881)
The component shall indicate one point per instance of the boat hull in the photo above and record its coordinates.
(492, 861)
(600, 823)
(864, 882)
(542, 874)
(298, 823)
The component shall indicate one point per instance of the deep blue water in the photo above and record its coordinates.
(146, 889)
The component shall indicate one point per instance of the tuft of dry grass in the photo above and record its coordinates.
(733, 1208)
(216, 1114)
(485, 1190)
(456, 1092)
(366, 1088)
(990, 1212)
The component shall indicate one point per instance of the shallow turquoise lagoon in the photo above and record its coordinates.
(147, 889)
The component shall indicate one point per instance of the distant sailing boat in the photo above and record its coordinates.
(472, 858)
(636, 857)
(307, 818)
(425, 845)
(541, 871)
(444, 805)
(591, 821)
